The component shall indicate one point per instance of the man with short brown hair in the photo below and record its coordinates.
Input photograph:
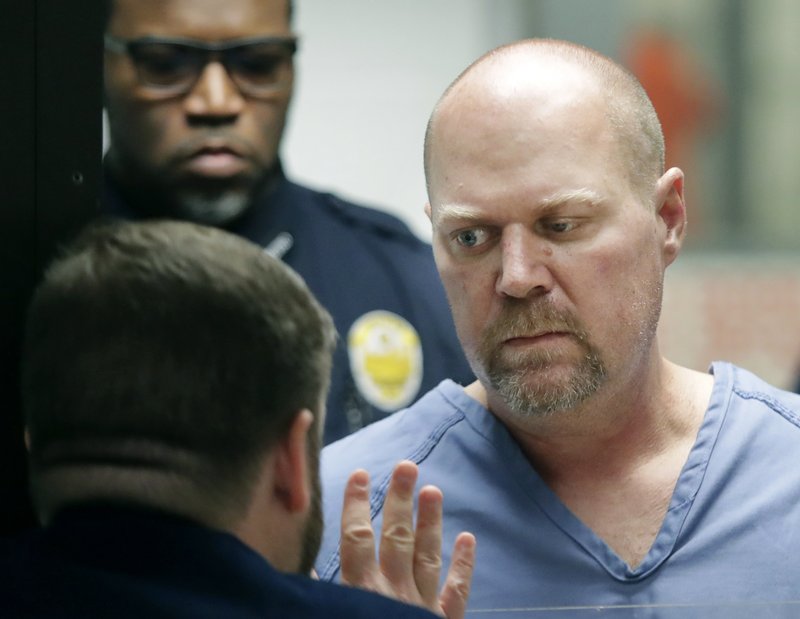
(174, 379)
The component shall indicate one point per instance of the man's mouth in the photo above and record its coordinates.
(542, 337)
(216, 161)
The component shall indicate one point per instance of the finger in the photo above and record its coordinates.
(455, 592)
(357, 548)
(396, 553)
(428, 546)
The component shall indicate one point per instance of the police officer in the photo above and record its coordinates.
(197, 93)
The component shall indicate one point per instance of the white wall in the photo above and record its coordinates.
(369, 73)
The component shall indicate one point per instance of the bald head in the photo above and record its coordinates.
(528, 83)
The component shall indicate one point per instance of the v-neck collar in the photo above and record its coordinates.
(684, 493)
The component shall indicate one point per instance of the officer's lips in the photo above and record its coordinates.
(218, 161)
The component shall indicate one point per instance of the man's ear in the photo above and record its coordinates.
(291, 475)
(671, 210)
(428, 211)
(27, 436)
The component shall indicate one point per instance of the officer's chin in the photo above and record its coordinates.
(212, 208)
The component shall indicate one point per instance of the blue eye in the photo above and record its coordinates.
(468, 238)
(559, 226)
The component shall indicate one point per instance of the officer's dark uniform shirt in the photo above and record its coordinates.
(380, 284)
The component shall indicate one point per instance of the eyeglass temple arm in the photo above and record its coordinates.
(114, 44)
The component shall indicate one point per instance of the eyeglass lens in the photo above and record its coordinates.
(255, 68)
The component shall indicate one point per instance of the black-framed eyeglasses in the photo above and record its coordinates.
(169, 67)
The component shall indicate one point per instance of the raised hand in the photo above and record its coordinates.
(409, 560)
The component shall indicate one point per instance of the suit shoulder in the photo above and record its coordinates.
(340, 601)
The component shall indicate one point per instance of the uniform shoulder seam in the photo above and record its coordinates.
(371, 218)
(776, 405)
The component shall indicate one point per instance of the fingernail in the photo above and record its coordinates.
(360, 479)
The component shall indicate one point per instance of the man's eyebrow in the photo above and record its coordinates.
(460, 213)
(457, 212)
(576, 196)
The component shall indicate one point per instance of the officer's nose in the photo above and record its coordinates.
(215, 98)
(525, 265)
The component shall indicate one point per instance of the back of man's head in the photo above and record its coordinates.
(162, 361)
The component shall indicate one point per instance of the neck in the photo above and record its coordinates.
(614, 463)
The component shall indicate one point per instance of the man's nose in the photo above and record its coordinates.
(215, 97)
(526, 265)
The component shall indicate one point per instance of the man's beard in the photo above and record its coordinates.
(211, 208)
(314, 525)
(521, 378)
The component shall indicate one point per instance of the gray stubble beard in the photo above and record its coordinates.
(212, 209)
(528, 397)
(515, 380)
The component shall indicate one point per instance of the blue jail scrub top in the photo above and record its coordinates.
(730, 538)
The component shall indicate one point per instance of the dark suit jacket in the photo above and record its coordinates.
(102, 561)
